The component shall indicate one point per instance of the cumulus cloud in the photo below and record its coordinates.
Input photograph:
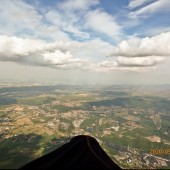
(106, 66)
(141, 47)
(63, 60)
(142, 52)
(137, 64)
(35, 52)
(139, 61)
(83, 55)
(14, 47)
(60, 55)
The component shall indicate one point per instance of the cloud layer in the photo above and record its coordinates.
(80, 35)
(36, 52)
(60, 55)
(142, 52)
(139, 61)
(131, 53)
(141, 47)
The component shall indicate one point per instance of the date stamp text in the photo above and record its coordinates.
(159, 151)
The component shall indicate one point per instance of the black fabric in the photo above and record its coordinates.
(82, 152)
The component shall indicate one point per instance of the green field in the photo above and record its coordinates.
(37, 120)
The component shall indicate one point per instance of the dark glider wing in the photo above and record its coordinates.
(82, 152)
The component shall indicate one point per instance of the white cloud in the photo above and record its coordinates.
(135, 47)
(74, 5)
(19, 11)
(60, 58)
(15, 47)
(95, 49)
(107, 66)
(20, 18)
(35, 52)
(16, 15)
(145, 11)
(102, 22)
(52, 33)
(66, 22)
(139, 61)
(142, 53)
(72, 55)
(72, 19)
(60, 55)
(136, 3)
(69, 16)
(137, 64)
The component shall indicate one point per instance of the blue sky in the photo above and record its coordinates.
(126, 41)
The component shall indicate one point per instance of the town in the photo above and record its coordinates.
(126, 129)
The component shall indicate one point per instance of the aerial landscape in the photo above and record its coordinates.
(128, 121)
(85, 67)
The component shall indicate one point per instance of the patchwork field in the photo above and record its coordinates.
(127, 121)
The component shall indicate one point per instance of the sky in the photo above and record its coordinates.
(85, 41)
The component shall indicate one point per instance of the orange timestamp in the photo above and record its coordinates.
(159, 151)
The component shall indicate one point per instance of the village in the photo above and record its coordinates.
(100, 122)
